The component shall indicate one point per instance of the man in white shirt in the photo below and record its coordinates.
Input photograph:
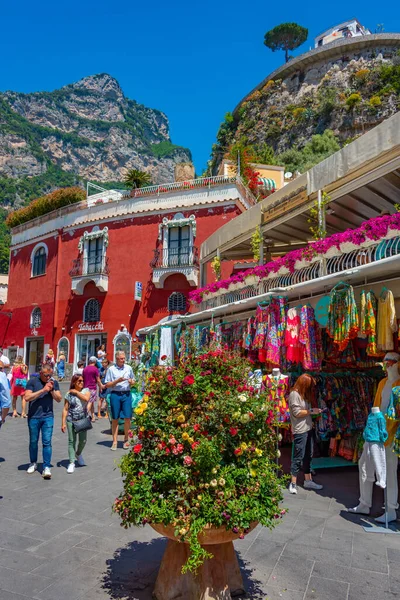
(120, 378)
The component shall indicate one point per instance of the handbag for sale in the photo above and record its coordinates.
(82, 425)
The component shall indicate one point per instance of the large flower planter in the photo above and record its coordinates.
(219, 578)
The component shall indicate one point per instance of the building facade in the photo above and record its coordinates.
(95, 272)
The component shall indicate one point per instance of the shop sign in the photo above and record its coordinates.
(321, 311)
(138, 290)
(97, 326)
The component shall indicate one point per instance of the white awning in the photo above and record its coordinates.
(266, 183)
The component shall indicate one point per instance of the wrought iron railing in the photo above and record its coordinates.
(185, 256)
(325, 266)
(90, 266)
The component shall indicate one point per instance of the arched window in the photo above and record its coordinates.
(91, 312)
(177, 302)
(39, 259)
(36, 317)
(122, 343)
(63, 348)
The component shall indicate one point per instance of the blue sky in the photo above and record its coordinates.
(192, 60)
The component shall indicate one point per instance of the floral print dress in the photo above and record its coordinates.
(310, 338)
(343, 324)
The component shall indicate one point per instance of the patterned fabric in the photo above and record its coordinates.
(368, 319)
(77, 408)
(343, 322)
(310, 338)
(250, 333)
(294, 349)
(261, 323)
(278, 391)
(387, 322)
(393, 410)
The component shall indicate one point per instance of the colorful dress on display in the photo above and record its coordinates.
(294, 349)
(387, 322)
(310, 338)
(343, 324)
(368, 320)
(276, 327)
(277, 389)
(250, 333)
(261, 323)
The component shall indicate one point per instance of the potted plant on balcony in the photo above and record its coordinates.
(202, 472)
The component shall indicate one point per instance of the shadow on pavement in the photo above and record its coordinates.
(132, 572)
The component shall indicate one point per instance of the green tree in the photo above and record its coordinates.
(317, 149)
(286, 36)
(137, 179)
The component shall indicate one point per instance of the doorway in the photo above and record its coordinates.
(87, 346)
(34, 354)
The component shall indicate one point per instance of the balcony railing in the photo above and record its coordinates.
(186, 256)
(83, 267)
(329, 266)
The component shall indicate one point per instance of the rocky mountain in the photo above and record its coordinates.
(279, 119)
(87, 130)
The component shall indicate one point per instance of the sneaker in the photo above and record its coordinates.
(311, 485)
(32, 468)
(46, 473)
(292, 488)
(81, 461)
(71, 468)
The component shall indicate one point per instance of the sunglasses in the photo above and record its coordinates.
(79, 381)
(46, 375)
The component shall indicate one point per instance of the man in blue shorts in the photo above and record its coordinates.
(120, 378)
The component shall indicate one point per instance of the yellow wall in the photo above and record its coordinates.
(269, 172)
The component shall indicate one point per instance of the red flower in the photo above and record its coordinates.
(196, 427)
(188, 380)
(233, 431)
(170, 378)
(238, 451)
(164, 357)
(194, 445)
(140, 473)
(167, 451)
(180, 448)
(137, 448)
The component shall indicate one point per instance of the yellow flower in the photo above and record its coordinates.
(221, 482)
(243, 446)
(182, 531)
(142, 428)
(254, 462)
(258, 452)
(144, 405)
(180, 418)
(190, 440)
(185, 435)
(214, 483)
(139, 410)
(253, 473)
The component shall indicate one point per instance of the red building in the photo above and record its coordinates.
(96, 272)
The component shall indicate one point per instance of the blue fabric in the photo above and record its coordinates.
(375, 430)
(61, 368)
(121, 405)
(43, 406)
(5, 397)
(37, 425)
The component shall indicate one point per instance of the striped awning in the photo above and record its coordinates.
(268, 184)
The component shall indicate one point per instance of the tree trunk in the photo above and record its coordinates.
(287, 54)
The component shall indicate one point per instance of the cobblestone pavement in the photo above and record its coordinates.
(60, 541)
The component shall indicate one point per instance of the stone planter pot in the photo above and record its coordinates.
(219, 578)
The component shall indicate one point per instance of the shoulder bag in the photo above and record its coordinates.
(82, 425)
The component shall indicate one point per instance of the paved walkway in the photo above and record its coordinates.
(60, 541)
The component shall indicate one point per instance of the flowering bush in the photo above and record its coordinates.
(372, 231)
(205, 454)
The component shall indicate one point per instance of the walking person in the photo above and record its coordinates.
(103, 393)
(61, 367)
(49, 359)
(302, 430)
(5, 397)
(120, 378)
(40, 393)
(76, 407)
(19, 379)
(91, 380)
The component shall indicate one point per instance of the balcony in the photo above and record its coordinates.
(89, 269)
(168, 261)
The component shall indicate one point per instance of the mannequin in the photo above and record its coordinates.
(382, 400)
(277, 385)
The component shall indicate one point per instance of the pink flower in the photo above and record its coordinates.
(180, 448)
(172, 440)
(187, 460)
(175, 451)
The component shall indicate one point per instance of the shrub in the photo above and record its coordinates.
(205, 454)
(361, 76)
(299, 113)
(269, 85)
(45, 204)
(353, 100)
(375, 101)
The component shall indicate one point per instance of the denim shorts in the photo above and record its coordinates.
(121, 405)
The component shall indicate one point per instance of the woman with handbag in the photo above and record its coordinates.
(75, 419)
(19, 378)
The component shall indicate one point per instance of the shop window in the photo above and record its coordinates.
(36, 318)
(39, 260)
(63, 348)
(177, 302)
(91, 311)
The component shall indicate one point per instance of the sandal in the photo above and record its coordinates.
(114, 447)
(126, 445)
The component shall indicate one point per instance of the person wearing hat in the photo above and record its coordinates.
(382, 400)
(5, 396)
(91, 380)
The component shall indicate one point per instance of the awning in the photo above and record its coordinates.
(268, 184)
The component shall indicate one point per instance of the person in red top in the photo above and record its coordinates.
(91, 380)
